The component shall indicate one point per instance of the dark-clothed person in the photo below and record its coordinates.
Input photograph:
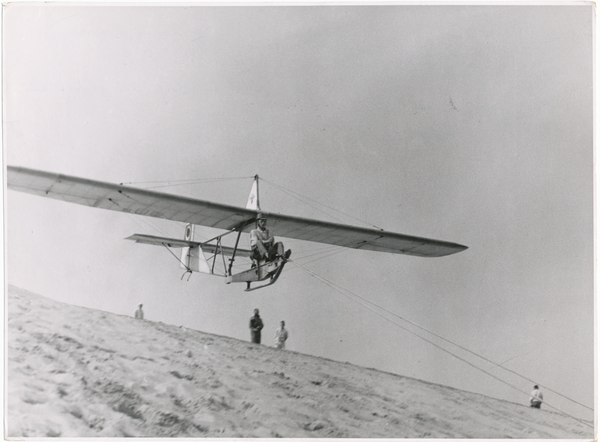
(256, 325)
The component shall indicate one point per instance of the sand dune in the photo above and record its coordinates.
(76, 372)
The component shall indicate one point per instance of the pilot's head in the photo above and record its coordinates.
(261, 221)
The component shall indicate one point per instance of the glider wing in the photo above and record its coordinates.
(126, 199)
(189, 210)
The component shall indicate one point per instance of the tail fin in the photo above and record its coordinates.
(185, 252)
(192, 258)
(189, 232)
(253, 203)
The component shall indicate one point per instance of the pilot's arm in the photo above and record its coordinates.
(255, 237)
(270, 239)
(259, 244)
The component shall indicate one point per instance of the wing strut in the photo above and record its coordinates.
(237, 241)
(188, 270)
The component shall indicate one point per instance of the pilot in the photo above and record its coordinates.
(263, 244)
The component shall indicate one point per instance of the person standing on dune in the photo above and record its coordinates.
(256, 325)
(139, 313)
(281, 336)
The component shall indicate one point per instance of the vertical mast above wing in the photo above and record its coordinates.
(253, 203)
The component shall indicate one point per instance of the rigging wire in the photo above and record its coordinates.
(135, 219)
(298, 197)
(351, 295)
(125, 210)
(143, 224)
(327, 253)
(315, 251)
(194, 182)
(191, 180)
(183, 264)
(235, 266)
(477, 355)
(177, 258)
(184, 182)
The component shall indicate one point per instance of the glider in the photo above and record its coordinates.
(203, 256)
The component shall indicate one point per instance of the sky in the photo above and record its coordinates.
(465, 123)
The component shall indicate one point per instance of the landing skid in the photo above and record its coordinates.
(267, 271)
(272, 280)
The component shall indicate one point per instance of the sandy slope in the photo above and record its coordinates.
(75, 372)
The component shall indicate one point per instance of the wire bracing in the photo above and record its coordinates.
(377, 309)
